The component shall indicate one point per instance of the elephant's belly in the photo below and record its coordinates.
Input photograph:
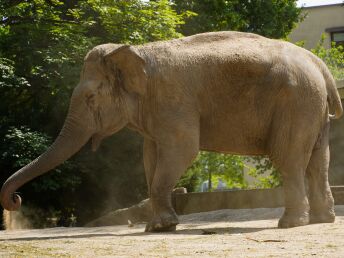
(231, 139)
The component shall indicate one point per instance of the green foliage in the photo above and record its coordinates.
(21, 145)
(137, 22)
(230, 168)
(333, 57)
(266, 176)
(273, 19)
(233, 170)
(46, 48)
(12, 87)
(9, 78)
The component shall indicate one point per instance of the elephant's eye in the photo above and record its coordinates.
(90, 96)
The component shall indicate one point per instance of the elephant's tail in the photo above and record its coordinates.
(333, 98)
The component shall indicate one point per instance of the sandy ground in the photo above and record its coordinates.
(224, 233)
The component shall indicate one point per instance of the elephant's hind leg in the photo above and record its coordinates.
(296, 211)
(320, 196)
(290, 155)
(172, 161)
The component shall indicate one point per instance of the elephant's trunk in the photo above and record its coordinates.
(74, 134)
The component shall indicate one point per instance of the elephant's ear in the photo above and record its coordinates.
(132, 67)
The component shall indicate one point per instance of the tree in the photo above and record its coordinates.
(263, 171)
(210, 167)
(137, 22)
(273, 19)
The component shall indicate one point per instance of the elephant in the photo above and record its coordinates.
(227, 92)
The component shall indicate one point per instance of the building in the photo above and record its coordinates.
(318, 20)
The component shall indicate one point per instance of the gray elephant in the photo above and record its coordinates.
(227, 92)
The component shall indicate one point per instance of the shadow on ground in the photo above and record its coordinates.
(193, 224)
(198, 231)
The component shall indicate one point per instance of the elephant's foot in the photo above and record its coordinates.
(162, 222)
(322, 216)
(293, 219)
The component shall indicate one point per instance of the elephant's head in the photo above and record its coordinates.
(112, 78)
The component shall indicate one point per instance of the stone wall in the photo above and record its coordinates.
(239, 199)
(336, 172)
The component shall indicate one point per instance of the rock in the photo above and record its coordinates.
(140, 212)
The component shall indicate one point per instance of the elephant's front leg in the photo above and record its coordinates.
(149, 160)
(172, 161)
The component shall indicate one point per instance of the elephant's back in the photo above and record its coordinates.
(203, 40)
(229, 65)
(219, 54)
(235, 58)
(223, 46)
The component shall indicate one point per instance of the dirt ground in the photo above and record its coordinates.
(224, 233)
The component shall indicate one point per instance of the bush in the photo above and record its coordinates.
(333, 57)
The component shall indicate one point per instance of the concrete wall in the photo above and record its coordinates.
(318, 19)
(238, 199)
(336, 171)
(340, 87)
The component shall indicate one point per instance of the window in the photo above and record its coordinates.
(337, 35)
(338, 38)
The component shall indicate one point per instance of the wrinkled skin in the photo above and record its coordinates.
(226, 92)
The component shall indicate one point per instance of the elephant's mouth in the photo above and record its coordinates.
(100, 135)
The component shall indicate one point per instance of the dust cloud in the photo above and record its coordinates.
(14, 220)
